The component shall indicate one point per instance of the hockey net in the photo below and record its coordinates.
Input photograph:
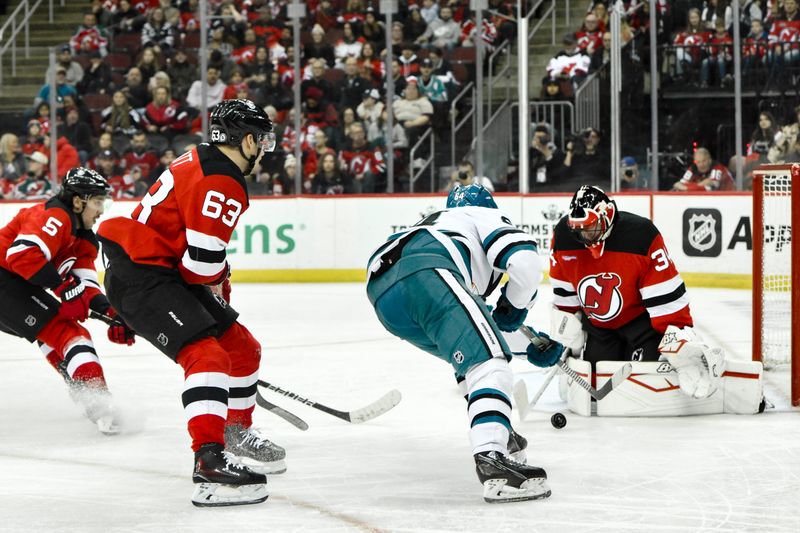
(776, 270)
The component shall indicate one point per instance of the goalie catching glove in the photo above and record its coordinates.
(699, 367)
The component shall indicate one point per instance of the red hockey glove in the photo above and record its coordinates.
(74, 299)
(119, 332)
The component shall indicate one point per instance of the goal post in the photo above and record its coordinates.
(776, 270)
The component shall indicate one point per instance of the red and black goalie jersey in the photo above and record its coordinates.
(186, 219)
(47, 237)
(633, 275)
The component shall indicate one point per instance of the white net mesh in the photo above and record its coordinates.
(777, 269)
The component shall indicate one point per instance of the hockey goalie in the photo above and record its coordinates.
(617, 298)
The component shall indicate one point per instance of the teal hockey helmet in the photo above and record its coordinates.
(474, 195)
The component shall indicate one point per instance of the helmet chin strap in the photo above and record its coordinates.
(251, 161)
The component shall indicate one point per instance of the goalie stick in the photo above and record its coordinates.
(373, 410)
(293, 419)
(617, 377)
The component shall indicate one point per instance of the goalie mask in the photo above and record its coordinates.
(471, 195)
(591, 217)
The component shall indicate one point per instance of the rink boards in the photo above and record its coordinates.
(325, 238)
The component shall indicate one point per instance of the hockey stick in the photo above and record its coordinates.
(293, 419)
(617, 377)
(375, 409)
(521, 390)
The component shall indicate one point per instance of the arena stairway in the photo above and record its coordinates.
(17, 92)
(540, 50)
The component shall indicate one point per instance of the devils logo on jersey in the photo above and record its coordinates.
(600, 295)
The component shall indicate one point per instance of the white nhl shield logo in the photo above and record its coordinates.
(30, 320)
(162, 339)
(702, 232)
(458, 357)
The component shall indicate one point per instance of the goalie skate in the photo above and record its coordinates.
(505, 480)
(254, 451)
(220, 480)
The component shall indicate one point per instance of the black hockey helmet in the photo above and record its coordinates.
(591, 216)
(232, 120)
(84, 183)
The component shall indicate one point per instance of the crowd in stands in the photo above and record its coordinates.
(129, 92)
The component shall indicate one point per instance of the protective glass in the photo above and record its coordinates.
(267, 141)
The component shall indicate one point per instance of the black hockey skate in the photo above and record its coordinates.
(254, 451)
(221, 480)
(516, 446)
(506, 480)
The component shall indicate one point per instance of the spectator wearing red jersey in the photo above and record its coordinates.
(361, 161)
(89, 36)
(784, 36)
(705, 174)
(589, 36)
(164, 116)
(319, 113)
(371, 67)
(128, 185)
(246, 53)
(34, 141)
(720, 55)
(141, 155)
(754, 51)
(689, 43)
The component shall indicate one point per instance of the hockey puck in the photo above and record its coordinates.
(558, 420)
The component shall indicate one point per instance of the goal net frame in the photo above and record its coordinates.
(760, 248)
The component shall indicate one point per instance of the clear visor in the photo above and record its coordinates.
(267, 141)
(100, 203)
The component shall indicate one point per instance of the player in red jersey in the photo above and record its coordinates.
(52, 246)
(162, 264)
(618, 295)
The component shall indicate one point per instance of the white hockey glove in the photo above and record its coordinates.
(567, 329)
(699, 367)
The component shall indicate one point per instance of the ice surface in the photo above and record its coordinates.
(408, 470)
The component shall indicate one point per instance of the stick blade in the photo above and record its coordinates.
(521, 399)
(387, 402)
(293, 419)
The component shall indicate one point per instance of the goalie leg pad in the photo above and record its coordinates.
(579, 400)
(221, 495)
(653, 389)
